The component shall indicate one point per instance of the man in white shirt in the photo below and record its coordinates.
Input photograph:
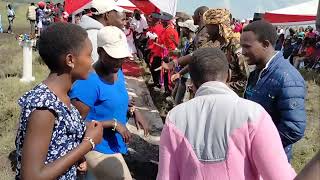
(104, 14)
(139, 23)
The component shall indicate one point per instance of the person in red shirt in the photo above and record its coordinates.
(170, 38)
(155, 31)
(169, 41)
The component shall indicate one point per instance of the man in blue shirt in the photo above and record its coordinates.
(103, 97)
(275, 83)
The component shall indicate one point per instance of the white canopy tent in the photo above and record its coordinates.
(300, 14)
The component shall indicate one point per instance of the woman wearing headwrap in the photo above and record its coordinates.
(221, 36)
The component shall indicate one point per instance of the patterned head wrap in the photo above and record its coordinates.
(219, 17)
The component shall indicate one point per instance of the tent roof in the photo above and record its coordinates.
(300, 14)
(146, 6)
(307, 8)
(76, 6)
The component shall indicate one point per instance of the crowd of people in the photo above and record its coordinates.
(75, 120)
(40, 16)
(301, 46)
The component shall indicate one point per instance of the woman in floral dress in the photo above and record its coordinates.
(52, 137)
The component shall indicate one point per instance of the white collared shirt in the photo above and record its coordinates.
(268, 64)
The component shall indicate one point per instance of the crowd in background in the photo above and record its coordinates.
(301, 46)
(200, 63)
(40, 16)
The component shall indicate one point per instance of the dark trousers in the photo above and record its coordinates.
(181, 90)
(10, 27)
(166, 83)
(156, 74)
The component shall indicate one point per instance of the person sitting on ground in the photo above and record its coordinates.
(307, 56)
(52, 137)
(218, 135)
(287, 48)
(107, 101)
(310, 34)
(103, 14)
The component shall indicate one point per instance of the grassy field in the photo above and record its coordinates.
(11, 89)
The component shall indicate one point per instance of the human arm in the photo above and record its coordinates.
(107, 124)
(182, 61)
(291, 106)
(265, 146)
(139, 119)
(37, 141)
(168, 169)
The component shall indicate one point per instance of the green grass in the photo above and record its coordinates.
(11, 89)
(10, 86)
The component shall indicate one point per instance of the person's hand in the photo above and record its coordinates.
(175, 77)
(94, 131)
(83, 167)
(125, 133)
(167, 66)
(132, 102)
(141, 122)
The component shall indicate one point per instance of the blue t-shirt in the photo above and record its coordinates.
(107, 102)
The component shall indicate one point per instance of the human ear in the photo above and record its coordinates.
(70, 60)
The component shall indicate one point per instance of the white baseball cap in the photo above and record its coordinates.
(114, 42)
(104, 6)
(188, 24)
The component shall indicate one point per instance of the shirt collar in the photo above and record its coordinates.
(268, 63)
(270, 60)
(214, 87)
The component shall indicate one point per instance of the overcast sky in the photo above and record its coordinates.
(239, 8)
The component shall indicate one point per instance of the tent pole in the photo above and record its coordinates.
(318, 17)
(73, 18)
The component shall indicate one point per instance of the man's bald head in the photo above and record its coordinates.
(198, 15)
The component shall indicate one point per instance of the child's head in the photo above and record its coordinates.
(208, 64)
(65, 48)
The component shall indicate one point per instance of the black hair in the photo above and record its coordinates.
(263, 30)
(32, 4)
(208, 64)
(201, 10)
(58, 40)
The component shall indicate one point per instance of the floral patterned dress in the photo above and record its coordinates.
(68, 128)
